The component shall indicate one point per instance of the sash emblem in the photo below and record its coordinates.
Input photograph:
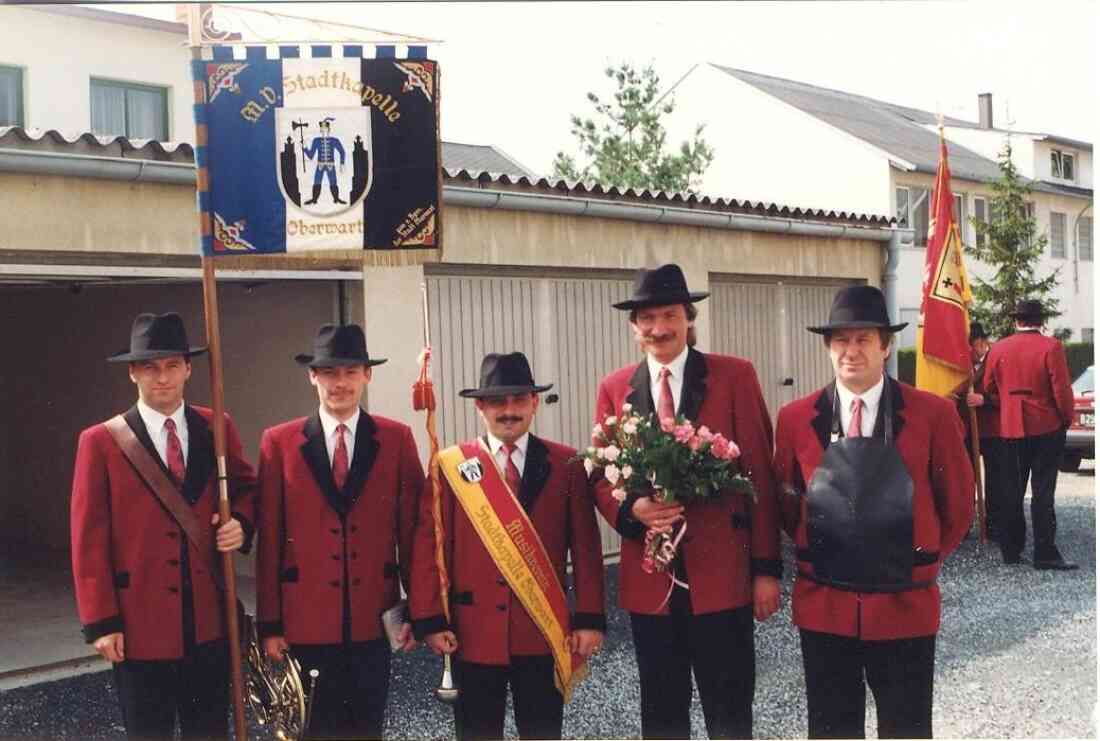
(471, 470)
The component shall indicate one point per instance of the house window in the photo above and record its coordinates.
(1086, 335)
(1057, 235)
(919, 215)
(960, 214)
(133, 111)
(1084, 238)
(1061, 165)
(11, 96)
(902, 208)
(981, 213)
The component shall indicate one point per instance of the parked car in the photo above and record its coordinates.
(1081, 436)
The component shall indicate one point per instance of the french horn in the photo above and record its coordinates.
(275, 692)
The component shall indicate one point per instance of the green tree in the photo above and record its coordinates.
(1009, 243)
(624, 146)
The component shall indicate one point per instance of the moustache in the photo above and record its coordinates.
(504, 420)
(657, 337)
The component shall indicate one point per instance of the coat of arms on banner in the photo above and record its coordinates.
(324, 157)
(470, 469)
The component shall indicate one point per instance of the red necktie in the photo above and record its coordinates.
(511, 473)
(665, 408)
(174, 452)
(340, 458)
(855, 427)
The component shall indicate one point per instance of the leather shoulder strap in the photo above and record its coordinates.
(166, 492)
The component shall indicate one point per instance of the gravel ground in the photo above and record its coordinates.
(1016, 658)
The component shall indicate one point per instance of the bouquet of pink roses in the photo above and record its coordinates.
(668, 460)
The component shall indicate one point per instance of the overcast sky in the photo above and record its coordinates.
(514, 71)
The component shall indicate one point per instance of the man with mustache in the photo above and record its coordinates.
(511, 507)
(878, 492)
(729, 558)
(339, 492)
(148, 593)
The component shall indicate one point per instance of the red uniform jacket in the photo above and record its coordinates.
(128, 552)
(490, 622)
(989, 413)
(729, 539)
(928, 435)
(328, 561)
(1028, 373)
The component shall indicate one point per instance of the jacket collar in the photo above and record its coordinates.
(536, 470)
(692, 393)
(200, 449)
(822, 422)
(316, 456)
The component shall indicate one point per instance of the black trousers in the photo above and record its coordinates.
(993, 479)
(1035, 458)
(718, 647)
(350, 701)
(194, 689)
(899, 674)
(536, 702)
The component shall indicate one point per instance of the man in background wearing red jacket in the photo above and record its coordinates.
(1028, 373)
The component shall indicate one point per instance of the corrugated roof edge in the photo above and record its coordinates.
(124, 143)
(679, 200)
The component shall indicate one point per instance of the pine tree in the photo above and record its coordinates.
(626, 148)
(1009, 243)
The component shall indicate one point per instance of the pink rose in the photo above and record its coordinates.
(734, 451)
(705, 434)
(683, 433)
(668, 424)
(695, 443)
(720, 446)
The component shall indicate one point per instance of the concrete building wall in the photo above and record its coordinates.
(57, 381)
(768, 150)
(60, 54)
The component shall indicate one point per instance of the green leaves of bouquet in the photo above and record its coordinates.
(669, 459)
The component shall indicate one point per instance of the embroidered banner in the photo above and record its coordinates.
(516, 549)
(321, 153)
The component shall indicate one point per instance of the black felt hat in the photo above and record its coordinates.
(858, 307)
(339, 344)
(1030, 310)
(661, 286)
(977, 332)
(155, 336)
(502, 375)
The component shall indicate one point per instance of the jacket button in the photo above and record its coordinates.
(354, 555)
(355, 581)
(502, 581)
(334, 530)
(173, 562)
(353, 528)
(173, 590)
(502, 608)
(172, 533)
(335, 556)
(334, 583)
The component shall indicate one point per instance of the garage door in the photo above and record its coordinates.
(562, 321)
(764, 320)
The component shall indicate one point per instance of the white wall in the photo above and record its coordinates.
(60, 54)
(767, 150)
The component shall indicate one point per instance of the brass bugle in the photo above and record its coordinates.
(446, 692)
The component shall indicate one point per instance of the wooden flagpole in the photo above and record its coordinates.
(217, 390)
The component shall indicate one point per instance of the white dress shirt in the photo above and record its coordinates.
(500, 455)
(329, 425)
(154, 425)
(871, 398)
(675, 378)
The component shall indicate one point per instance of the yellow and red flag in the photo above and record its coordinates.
(943, 344)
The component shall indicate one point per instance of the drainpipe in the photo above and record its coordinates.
(890, 285)
(106, 168)
(1077, 246)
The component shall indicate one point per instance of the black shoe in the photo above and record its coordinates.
(1011, 560)
(1055, 564)
(316, 195)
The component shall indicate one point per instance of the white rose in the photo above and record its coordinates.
(627, 408)
(589, 466)
(611, 421)
(619, 494)
(627, 472)
(591, 450)
(611, 453)
(612, 473)
(597, 431)
(630, 428)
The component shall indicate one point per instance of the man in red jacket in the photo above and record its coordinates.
(510, 493)
(878, 490)
(146, 596)
(339, 492)
(729, 559)
(1029, 374)
(987, 411)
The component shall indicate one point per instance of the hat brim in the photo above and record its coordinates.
(826, 329)
(132, 357)
(631, 304)
(503, 391)
(314, 362)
